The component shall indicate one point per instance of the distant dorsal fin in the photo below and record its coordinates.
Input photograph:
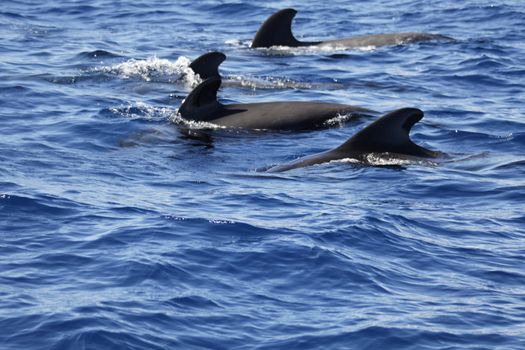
(390, 133)
(277, 30)
(202, 101)
(207, 65)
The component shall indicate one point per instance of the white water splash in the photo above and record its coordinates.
(235, 42)
(347, 160)
(143, 111)
(313, 50)
(176, 118)
(386, 159)
(154, 69)
(339, 119)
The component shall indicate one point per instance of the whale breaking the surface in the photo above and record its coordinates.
(201, 105)
(387, 135)
(277, 31)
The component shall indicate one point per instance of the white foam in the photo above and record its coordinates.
(234, 42)
(339, 119)
(314, 50)
(176, 118)
(154, 69)
(339, 47)
(143, 111)
(386, 159)
(367, 48)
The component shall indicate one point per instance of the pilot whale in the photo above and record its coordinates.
(277, 31)
(201, 105)
(387, 135)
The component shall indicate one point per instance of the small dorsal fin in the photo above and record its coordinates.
(202, 101)
(207, 65)
(390, 133)
(276, 30)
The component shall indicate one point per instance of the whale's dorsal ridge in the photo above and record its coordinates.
(276, 30)
(390, 133)
(202, 101)
(207, 65)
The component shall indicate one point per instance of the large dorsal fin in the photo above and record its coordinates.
(390, 133)
(207, 65)
(202, 101)
(277, 30)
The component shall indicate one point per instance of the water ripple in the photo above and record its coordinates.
(119, 228)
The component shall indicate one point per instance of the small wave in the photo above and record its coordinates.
(154, 69)
(237, 7)
(97, 54)
(518, 164)
(17, 89)
(142, 111)
(483, 62)
(517, 137)
(42, 204)
(237, 43)
(190, 302)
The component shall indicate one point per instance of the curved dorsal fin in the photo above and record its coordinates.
(207, 65)
(390, 133)
(202, 101)
(276, 30)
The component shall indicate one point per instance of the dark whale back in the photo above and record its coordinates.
(277, 31)
(388, 134)
(201, 105)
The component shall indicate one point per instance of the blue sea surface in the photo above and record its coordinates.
(117, 231)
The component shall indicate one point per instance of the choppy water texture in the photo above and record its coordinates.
(117, 232)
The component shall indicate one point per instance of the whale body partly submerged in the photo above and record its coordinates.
(389, 134)
(202, 105)
(277, 31)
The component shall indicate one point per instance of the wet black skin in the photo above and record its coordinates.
(202, 105)
(277, 31)
(389, 134)
(207, 65)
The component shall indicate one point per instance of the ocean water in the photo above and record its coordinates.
(119, 232)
